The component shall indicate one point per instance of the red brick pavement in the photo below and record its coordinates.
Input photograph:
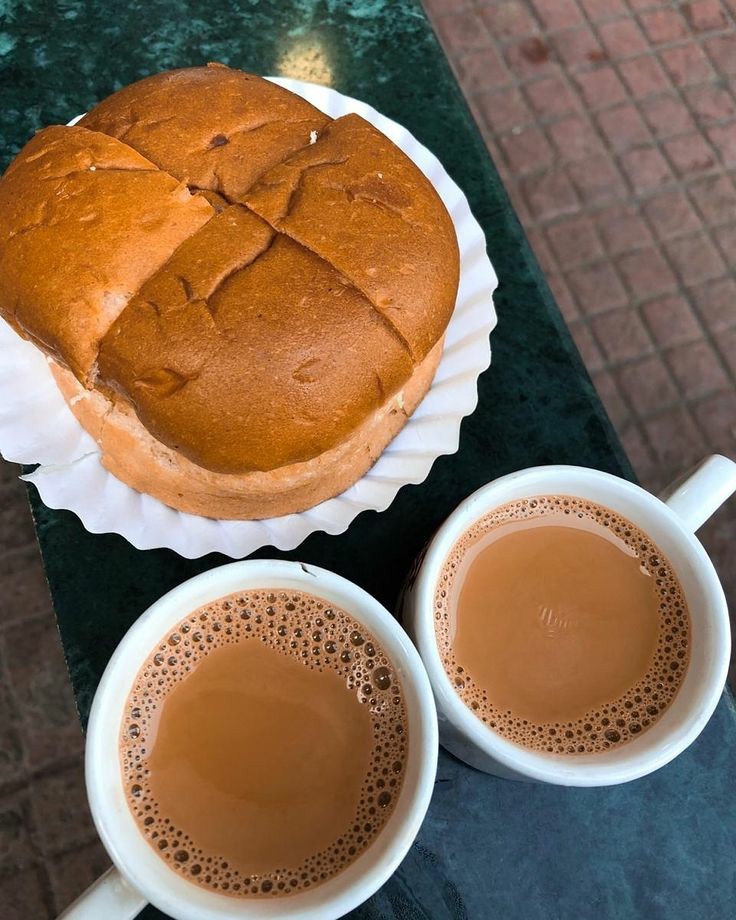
(614, 126)
(44, 821)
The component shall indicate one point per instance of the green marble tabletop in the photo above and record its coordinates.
(660, 847)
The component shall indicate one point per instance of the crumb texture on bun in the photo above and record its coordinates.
(243, 299)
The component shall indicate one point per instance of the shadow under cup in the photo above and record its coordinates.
(132, 854)
(469, 738)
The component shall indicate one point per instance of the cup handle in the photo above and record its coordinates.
(697, 495)
(110, 897)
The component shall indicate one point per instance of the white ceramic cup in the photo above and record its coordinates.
(139, 875)
(671, 523)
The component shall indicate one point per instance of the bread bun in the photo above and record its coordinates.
(132, 454)
(84, 221)
(213, 127)
(243, 298)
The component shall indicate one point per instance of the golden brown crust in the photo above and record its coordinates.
(138, 459)
(257, 326)
(84, 220)
(360, 203)
(214, 127)
(242, 365)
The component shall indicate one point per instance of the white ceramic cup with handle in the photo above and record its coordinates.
(139, 875)
(671, 522)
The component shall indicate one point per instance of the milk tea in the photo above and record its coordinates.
(561, 625)
(264, 744)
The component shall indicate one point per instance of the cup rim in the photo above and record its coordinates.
(555, 768)
(133, 855)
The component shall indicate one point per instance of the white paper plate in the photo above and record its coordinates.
(36, 426)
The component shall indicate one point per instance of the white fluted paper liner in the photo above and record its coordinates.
(36, 425)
